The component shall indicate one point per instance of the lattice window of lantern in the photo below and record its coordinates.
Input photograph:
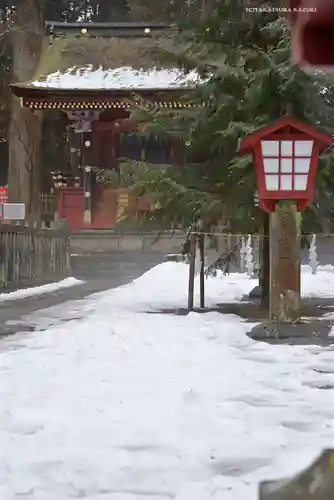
(286, 164)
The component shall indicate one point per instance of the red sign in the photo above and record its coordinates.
(3, 194)
(3, 197)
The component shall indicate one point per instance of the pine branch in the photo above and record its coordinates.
(224, 262)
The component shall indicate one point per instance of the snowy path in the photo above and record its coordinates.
(125, 405)
(96, 272)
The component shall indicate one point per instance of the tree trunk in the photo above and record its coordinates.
(25, 126)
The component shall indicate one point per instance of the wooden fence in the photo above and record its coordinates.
(32, 256)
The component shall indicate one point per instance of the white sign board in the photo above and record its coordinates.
(13, 211)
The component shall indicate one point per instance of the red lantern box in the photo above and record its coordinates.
(285, 158)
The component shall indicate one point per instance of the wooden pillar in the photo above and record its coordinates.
(87, 171)
(284, 242)
(73, 148)
(82, 121)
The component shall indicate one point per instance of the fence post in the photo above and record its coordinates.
(257, 250)
(191, 284)
(143, 243)
(201, 244)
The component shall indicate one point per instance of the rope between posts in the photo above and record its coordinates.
(256, 235)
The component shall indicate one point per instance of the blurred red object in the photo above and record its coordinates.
(3, 196)
(312, 24)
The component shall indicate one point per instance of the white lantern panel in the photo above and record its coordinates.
(300, 182)
(303, 148)
(270, 148)
(286, 182)
(302, 165)
(286, 148)
(286, 165)
(272, 182)
(271, 165)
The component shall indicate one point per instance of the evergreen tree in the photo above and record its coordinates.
(165, 10)
(250, 82)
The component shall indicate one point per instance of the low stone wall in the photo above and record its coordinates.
(104, 241)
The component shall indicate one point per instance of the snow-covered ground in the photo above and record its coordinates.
(24, 293)
(120, 404)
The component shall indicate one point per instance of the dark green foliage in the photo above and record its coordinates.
(251, 82)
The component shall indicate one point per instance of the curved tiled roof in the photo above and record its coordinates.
(93, 63)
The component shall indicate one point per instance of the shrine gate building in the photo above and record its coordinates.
(94, 73)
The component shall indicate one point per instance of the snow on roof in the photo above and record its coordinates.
(119, 78)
